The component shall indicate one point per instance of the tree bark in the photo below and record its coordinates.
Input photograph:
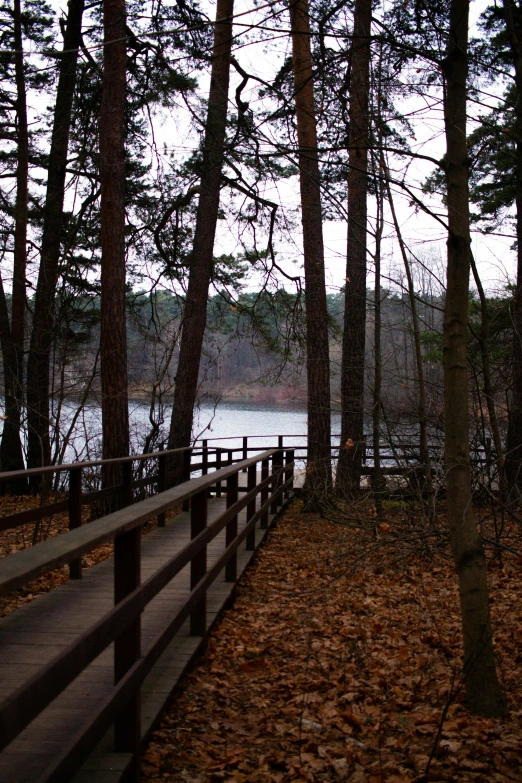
(378, 481)
(43, 317)
(483, 691)
(484, 343)
(353, 353)
(113, 332)
(513, 460)
(11, 454)
(422, 402)
(201, 265)
(319, 472)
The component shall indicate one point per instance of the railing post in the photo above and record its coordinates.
(231, 532)
(204, 458)
(75, 515)
(218, 467)
(245, 451)
(230, 457)
(281, 480)
(198, 564)
(251, 507)
(277, 464)
(289, 473)
(127, 483)
(264, 493)
(162, 483)
(127, 646)
(187, 459)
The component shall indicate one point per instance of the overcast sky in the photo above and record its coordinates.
(423, 234)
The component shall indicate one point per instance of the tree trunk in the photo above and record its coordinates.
(11, 454)
(484, 343)
(378, 483)
(514, 439)
(422, 402)
(113, 333)
(319, 472)
(352, 362)
(201, 266)
(483, 691)
(43, 316)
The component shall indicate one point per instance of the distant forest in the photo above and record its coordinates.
(255, 348)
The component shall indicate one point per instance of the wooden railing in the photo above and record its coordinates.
(204, 455)
(401, 452)
(121, 624)
(130, 490)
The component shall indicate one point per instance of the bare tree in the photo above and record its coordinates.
(514, 439)
(483, 691)
(378, 483)
(484, 344)
(422, 402)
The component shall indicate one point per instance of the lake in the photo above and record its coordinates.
(226, 420)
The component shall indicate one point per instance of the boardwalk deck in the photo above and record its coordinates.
(32, 635)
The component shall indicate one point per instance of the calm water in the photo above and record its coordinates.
(226, 420)
(248, 418)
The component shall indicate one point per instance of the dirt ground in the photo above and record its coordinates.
(341, 660)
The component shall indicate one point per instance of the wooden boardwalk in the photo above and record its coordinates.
(32, 635)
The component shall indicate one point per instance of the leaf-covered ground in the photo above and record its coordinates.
(341, 660)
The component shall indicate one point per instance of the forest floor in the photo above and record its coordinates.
(341, 660)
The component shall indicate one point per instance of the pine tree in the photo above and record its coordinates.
(43, 314)
(29, 23)
(113, 333)
(202, 259)
(353, 359)
(318, 477)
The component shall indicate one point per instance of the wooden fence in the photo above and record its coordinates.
(273, 483)
(203, 456)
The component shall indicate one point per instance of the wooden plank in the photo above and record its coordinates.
(21, 567)
(75, 606)
(33, 514)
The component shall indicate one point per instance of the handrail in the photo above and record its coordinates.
(33, 696)
(104, 716)
(195, 447)
(12, 474)
(131, 667)
(402, 455)
(45, 469)
(77, 498)
(28, 564)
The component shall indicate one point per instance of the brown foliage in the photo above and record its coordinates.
(341, 660)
